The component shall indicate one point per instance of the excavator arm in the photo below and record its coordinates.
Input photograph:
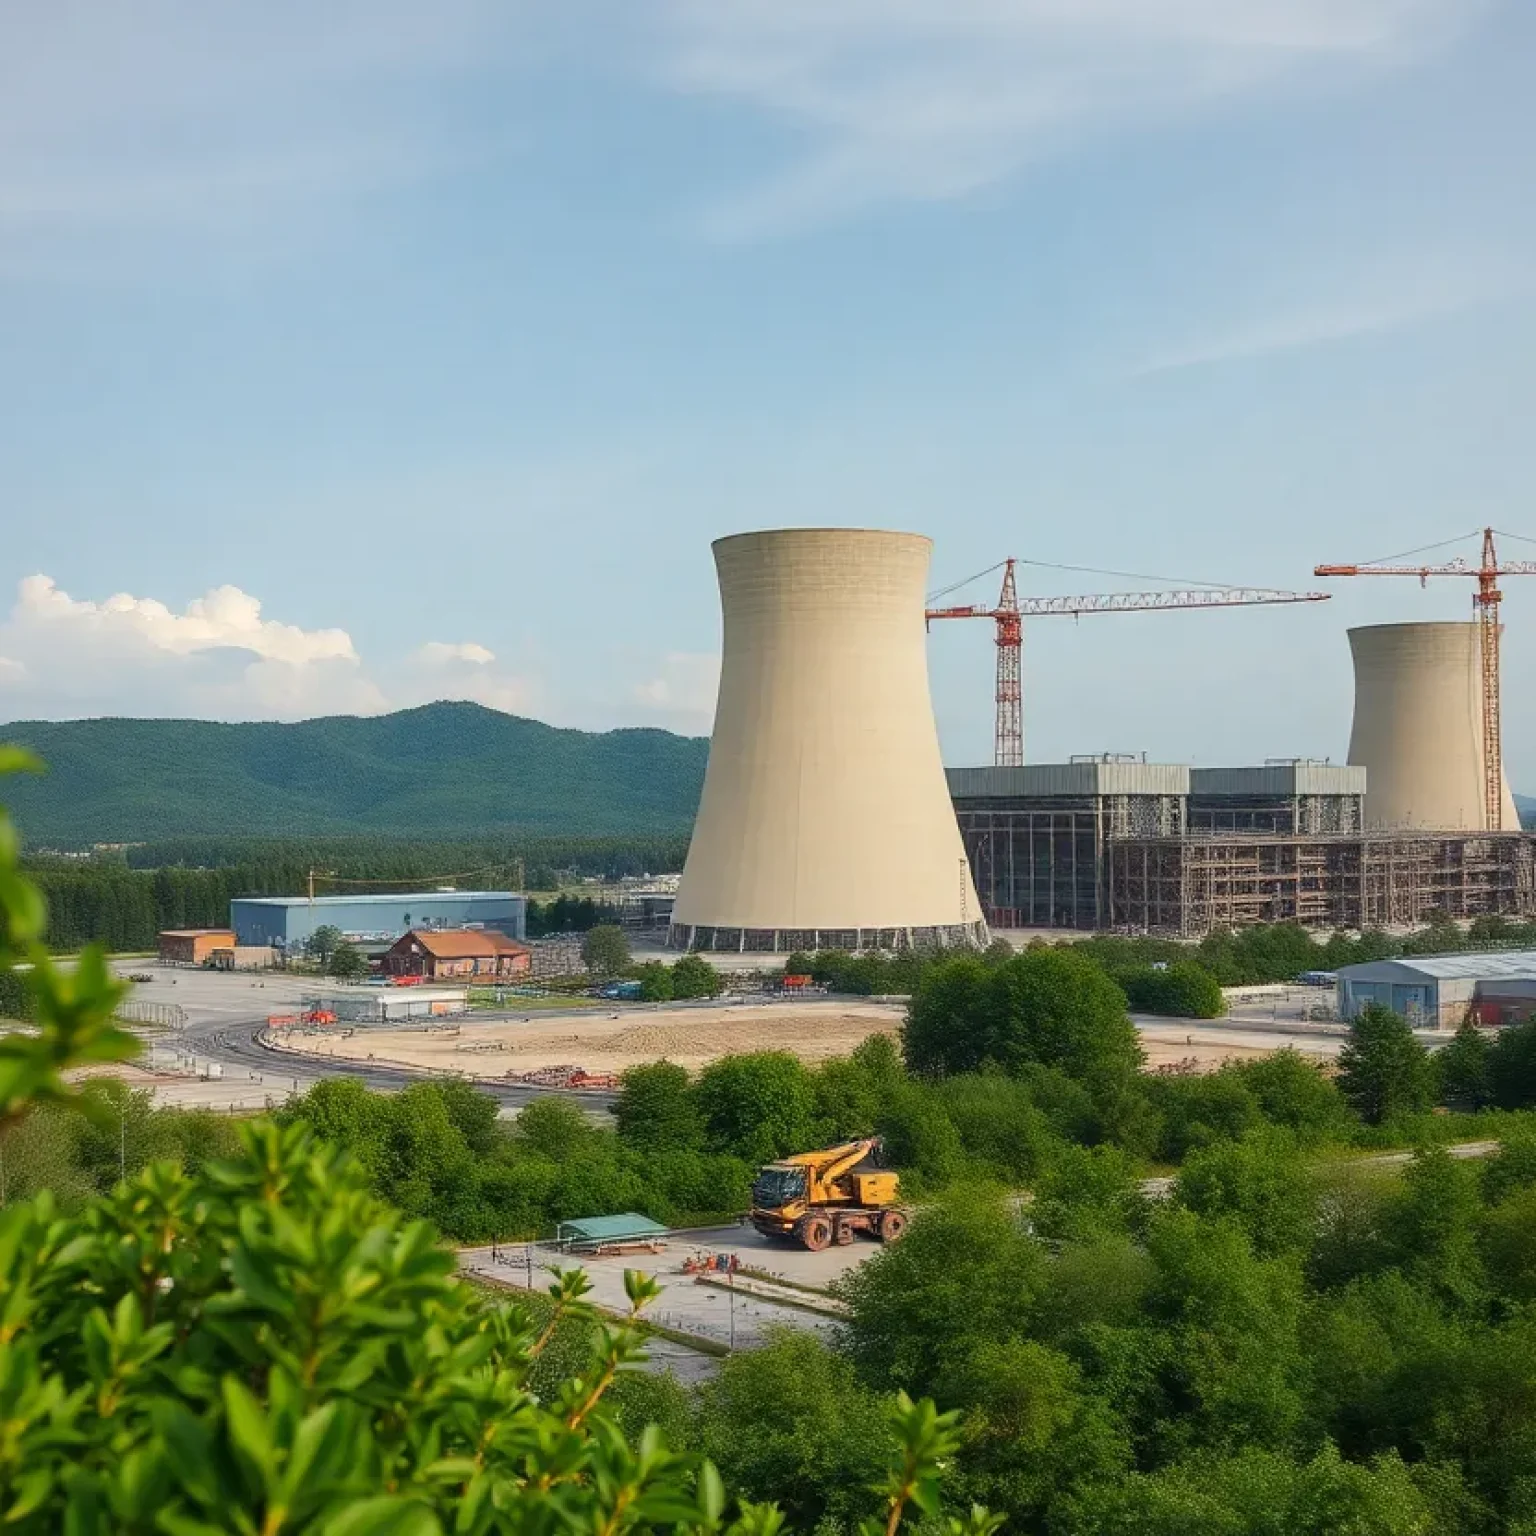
(828, 1166)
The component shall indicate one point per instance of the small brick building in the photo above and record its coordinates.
(458, 954)
(193, 946)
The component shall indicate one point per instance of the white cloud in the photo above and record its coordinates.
(219, 659)
(439, 653)
(1379, 305)
(465, 670)
(682, 694)
(934, 99)
(225, 617)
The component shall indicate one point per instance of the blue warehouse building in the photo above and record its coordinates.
(288, 921)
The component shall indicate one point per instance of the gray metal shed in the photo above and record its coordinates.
(1440, 991)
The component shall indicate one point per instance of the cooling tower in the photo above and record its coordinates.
(825, 819)
(1418, 728)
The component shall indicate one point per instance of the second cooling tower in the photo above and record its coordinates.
(1418, 727)
(825, 820)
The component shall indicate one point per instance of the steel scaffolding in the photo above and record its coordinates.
(1188, 886)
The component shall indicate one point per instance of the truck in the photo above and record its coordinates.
(621, 991)
(831, 1196)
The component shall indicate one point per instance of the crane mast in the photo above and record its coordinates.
(1009, 613)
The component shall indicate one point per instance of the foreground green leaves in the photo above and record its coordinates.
(265, 1348)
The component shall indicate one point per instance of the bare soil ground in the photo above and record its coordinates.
(695, 1036)
(692, 1037)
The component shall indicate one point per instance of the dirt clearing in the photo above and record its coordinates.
(695, 1036)
(692, 1037)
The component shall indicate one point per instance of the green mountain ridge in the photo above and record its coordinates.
(440, 769)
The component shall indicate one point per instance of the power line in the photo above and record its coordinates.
(1095, 570)
(933, 597)
(1423, 549)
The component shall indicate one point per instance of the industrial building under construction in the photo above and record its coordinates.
(1399, 835)
(1102, 844)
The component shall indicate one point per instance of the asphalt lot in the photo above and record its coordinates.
(732, 1316)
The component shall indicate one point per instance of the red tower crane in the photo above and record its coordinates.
(1485, 606)
(1009, 613)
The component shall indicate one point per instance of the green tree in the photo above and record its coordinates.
(1512, 1066)
(656, 1108)
(1002, 1132)
(1230, 1335)
(322, 943)
(555, 1128)
(1383, 1070)
(475, 1115)
(792, 1422)
(655, 980)
(757, 1107)
(1033, 1434)
(1203, 1109)
(1256, 1493)
(694, 976)
(119, 1133)
(348, 962)
(1512, 1168)
(605, 950)
(1260, 1182)
(1507, 1240)
(1182, 990)
(39, 1151)
(341, 1111)
(1432, 1226)
(1088, 1192)
(1461, 1069)
(1296, 1093)
(1047, 1006)
(965, 1274)
(938, 1035)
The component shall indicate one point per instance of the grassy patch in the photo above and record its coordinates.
(512, 1004)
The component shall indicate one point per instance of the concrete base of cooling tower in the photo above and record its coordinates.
(788, 941)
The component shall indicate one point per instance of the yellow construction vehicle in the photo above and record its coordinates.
(819, 1198)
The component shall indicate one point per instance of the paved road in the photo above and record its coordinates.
(236, 1043)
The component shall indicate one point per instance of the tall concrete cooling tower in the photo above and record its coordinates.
(825, 820)
(1418, 728)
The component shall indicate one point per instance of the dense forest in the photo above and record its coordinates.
(442, 770)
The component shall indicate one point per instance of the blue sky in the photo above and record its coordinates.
(356, 355)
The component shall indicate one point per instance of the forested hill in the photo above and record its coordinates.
(443, 769)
